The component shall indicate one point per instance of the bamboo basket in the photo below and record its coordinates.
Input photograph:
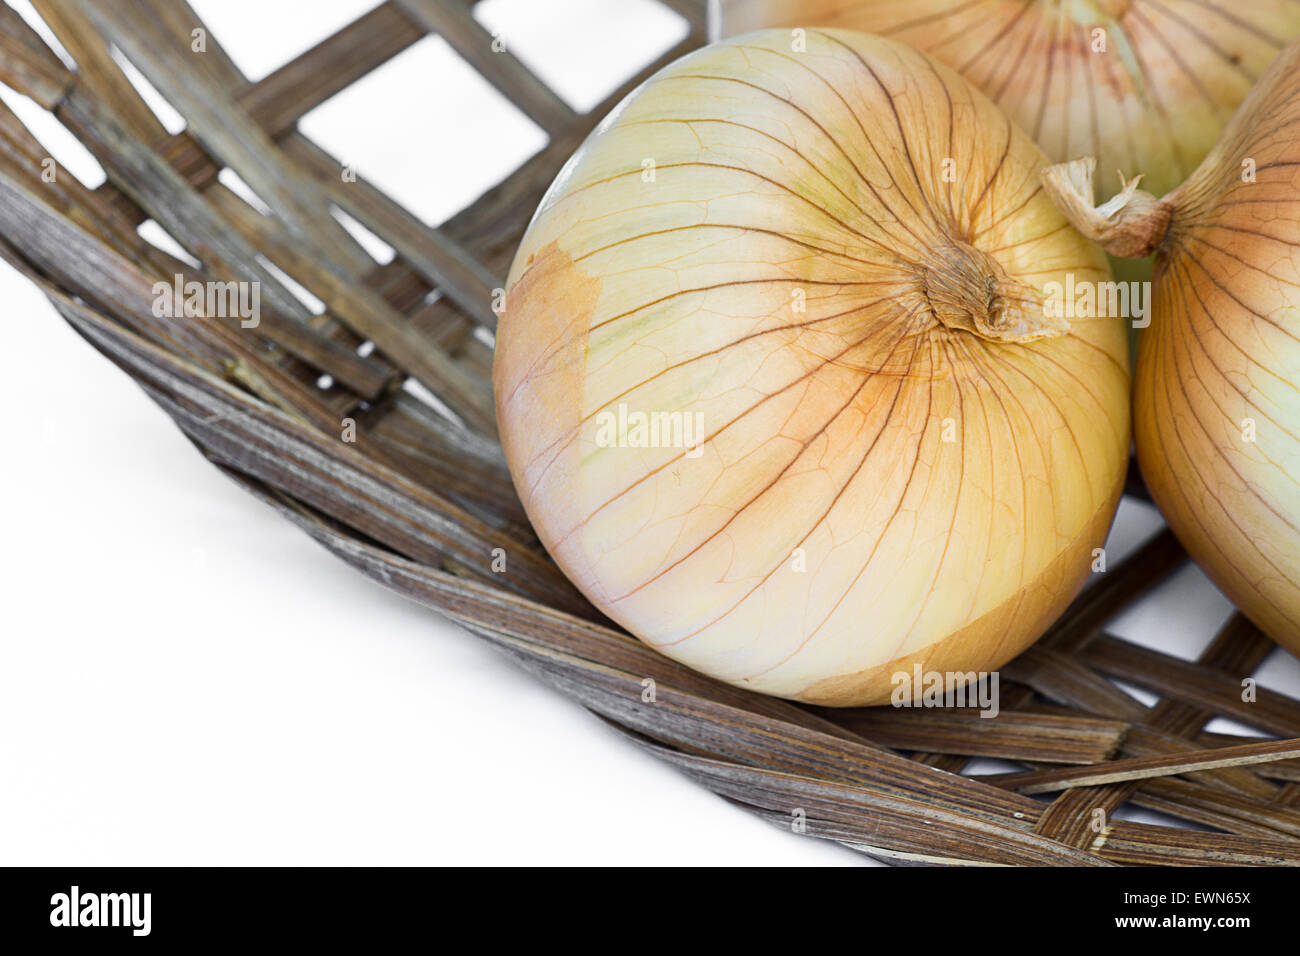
(422, 502)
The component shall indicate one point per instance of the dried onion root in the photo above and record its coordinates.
(777, 384)
(1217, 391)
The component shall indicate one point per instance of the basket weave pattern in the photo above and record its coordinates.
(422, 502)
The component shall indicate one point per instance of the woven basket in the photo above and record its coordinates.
(422, 501)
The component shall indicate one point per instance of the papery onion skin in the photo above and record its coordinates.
(1172, 74)
(944, 482)
(1222, 360)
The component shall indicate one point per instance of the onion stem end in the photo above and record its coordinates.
(1130, 225)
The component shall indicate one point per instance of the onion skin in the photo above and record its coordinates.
(944, 456)
(1155, 102)
(1222, 355)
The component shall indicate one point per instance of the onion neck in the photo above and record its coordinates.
(967, 290)
(1130, 225)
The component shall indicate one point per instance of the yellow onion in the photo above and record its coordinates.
(1150, 92)
(776, 381)
(1217, 392)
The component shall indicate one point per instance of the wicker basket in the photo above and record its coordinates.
(423, 503)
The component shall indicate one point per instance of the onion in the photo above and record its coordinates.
(777, 385)
(1151, 92)
(1216, 406)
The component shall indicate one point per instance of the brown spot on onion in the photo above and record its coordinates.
(537, 375)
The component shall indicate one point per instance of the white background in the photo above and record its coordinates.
(185, 679)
